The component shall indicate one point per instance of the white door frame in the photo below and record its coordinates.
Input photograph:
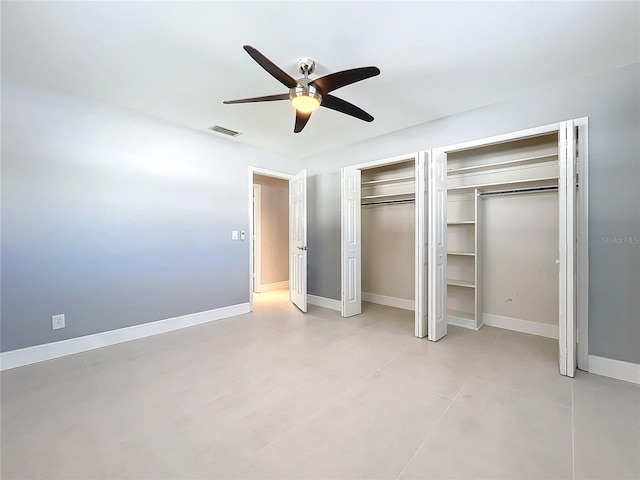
(255, 239)
(583, 243)
(421, 256)
(267, 173)
(419, 166)
(582, 220)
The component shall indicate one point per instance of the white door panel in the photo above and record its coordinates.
(567, 248)
(437, 240)
(298, 240)
(351, 242)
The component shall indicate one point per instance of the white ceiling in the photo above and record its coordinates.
(179, 60)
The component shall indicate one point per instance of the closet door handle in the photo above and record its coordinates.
(557, 262)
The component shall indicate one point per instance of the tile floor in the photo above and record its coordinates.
(278, 394)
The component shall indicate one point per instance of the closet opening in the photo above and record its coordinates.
(512, 234)
(502, 236)
(388, 235)
(383, 236)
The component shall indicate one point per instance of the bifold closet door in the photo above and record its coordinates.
(437, 242)
(351, 246)
(567, 248)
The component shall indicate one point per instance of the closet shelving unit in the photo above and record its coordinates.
(498, 169)
(526, 172)
(462, 261)
(389, 189)
(503, 164)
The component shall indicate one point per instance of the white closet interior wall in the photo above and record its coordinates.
(520, 248)
(388, 234)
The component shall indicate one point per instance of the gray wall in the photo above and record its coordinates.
(114, 218)
(611, 100)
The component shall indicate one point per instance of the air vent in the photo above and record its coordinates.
(224, 131)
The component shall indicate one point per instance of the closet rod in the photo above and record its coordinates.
(389, 202)
(518, 191)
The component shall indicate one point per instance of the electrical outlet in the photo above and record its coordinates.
(234, 234)
(57, 321)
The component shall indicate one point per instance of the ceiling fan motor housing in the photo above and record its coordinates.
(306, 66)
(305, 87)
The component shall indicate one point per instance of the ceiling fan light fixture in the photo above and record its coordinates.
(305, 103)
(305, 98)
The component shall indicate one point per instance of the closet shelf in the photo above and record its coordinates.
(464, 222)
(461, 283)
(389, 196)
(537, 182)
(508, 163)
(468, 254)
(389, 180)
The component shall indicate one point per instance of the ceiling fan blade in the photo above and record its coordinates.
(268, 98)
(301, 120)
(337, 80)
(271, 67)
(342, 106)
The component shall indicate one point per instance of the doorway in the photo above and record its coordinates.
(270, 233)
(278, 233)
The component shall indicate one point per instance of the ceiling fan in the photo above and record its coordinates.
(306, 94)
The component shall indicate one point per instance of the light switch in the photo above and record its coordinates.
(243, 235)
(234, 234)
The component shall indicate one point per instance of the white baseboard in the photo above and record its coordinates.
(629, 372)
(518, 325)
(324, 302)
(389, 301)
(269, 287)
(49, 351)
(461, 322)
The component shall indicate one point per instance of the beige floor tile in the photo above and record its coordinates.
(495, 432)
(255, 415)
(444, 366)
(279, 394)
(528, 363)
(370, 431)
(607, 428)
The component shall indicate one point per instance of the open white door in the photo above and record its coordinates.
(298, 240)
(437, 240)
(351, 243)
(567, 248)
(421, 245)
